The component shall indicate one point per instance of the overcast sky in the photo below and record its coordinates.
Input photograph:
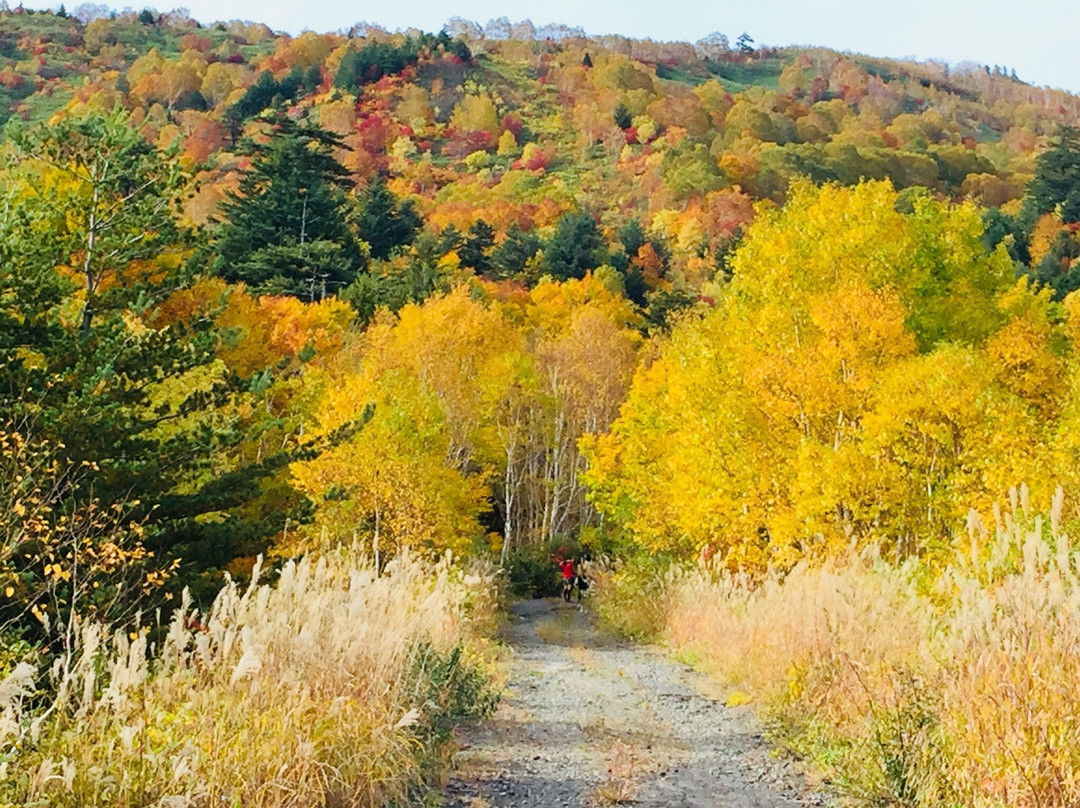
(1040, 39)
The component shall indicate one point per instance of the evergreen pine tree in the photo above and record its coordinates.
(1056, 185)
(631, 238)
(384, 221)
(473, 252)
(1059, 268)
(285, 231)
(508, 260)
(575, 248)
(135, 404)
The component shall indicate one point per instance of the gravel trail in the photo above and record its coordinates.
(591, 721)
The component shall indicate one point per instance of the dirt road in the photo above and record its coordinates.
(590, 721)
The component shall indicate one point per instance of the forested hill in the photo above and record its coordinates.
(777, 330)
(491, 139)
(238, 269)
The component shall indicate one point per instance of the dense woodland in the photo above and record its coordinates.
(503, 288)
(269, 293)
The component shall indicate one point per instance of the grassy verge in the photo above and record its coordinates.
(331, 687)
(912, 685)
(633, 597)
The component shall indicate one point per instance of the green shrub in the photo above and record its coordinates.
(633, 596)
(533, 572)
(450, 690)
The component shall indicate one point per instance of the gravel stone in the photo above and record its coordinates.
(590, 721)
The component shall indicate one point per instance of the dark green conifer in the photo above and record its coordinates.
(509, 259)
(135, 404)
(1056, 185)
(285, 231)
(575, 248)
(385, 222)
(473, 252)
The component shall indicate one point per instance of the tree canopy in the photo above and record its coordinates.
(1056, 186)
(285, 230)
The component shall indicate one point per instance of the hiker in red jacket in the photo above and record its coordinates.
(566, 566)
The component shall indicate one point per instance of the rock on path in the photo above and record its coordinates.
(590, 721)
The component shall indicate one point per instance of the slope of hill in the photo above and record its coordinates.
(766, 324)
(678, 138)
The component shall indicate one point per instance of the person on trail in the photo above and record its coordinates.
(566, 566)
(580, 581)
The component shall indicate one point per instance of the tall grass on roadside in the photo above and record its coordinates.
(331, 687)
(633, 597)
(913, 686)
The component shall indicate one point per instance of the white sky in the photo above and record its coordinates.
(1040, 39)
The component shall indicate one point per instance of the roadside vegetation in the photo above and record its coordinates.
(943, 681)
(754, 328)
(328, 686)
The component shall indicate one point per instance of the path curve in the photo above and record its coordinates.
(590, 721)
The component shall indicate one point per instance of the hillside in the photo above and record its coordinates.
(678, 138)
(312, 348)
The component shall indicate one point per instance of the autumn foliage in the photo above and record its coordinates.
(859, 380)
(784, 316)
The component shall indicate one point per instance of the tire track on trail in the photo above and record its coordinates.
(592, 721)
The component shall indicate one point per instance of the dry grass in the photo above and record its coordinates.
(958, 685)
(630, 751)
(582, 656)
(626, 764)
(328, 688)
(633, 599)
